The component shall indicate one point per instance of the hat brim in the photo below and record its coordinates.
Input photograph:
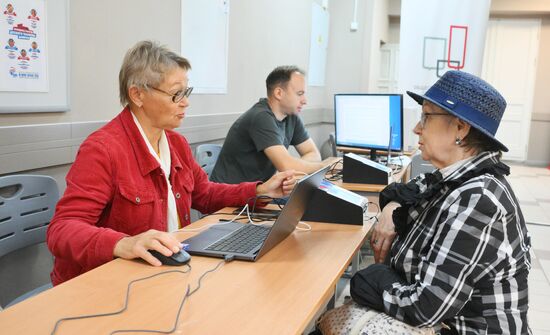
(420, 100)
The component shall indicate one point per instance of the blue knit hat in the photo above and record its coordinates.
(470, 99)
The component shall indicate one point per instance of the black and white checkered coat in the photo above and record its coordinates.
(465, 258)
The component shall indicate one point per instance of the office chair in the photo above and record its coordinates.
(207, 155)
(328, 149)
(27, 204)
(420, 166)
(332, 141)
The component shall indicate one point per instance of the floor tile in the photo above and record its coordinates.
(343, 293)
(539, 302)
(535, 214)
(538, 187)
(538, 275)
(543, 254)
(523, 170)
(538, 320)
(539, 287)
(545, 267)
(520, 170)
(521, 190)
(535, 264)
(540, 237)
(545, 207)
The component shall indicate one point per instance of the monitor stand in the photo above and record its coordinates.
(373, 156)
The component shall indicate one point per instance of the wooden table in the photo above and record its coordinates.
(278, 294)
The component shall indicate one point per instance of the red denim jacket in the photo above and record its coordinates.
(115, 188)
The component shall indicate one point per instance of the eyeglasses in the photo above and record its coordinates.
(179, 95)
(424, 117)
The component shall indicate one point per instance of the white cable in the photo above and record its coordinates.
(219, 223)
(307, 228)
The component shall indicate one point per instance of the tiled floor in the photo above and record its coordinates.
(532, 188)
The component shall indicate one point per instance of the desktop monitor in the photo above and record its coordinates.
(369, 121)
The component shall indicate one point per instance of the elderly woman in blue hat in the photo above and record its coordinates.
(456, 239)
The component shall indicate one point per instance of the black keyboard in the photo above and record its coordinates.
(242, 240)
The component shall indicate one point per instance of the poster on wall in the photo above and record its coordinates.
(452, 39)
(318, 45)
(23, 63)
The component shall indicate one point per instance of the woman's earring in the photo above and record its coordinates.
(458, 141)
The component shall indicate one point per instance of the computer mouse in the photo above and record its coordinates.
(179, 258)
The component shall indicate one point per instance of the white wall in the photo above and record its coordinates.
(538, 152)
(345, 51)
(262, 35)
(376, 33)
(354, 57)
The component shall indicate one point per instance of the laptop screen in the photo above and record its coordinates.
(294, 209)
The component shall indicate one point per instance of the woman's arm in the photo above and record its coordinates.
(73, 232)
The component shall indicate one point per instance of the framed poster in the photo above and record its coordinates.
(204, 41)
(34, 59)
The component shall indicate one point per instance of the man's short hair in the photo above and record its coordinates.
(280, 77)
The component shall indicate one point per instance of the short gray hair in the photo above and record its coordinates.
(145, 65)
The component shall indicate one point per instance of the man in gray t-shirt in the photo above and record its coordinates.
(257, 143)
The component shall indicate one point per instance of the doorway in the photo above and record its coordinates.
(509, 64)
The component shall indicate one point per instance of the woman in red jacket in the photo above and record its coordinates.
(135, 180)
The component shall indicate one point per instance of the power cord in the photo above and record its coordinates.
(334, 174)
(56, 326)
(218, 223)
(188, 293)
(241, 216)
(372, 217)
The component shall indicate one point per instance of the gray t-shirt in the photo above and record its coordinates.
(242, 157)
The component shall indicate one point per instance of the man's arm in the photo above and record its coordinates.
(283, 160)
(308, 151)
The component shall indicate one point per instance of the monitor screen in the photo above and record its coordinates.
(366, 121)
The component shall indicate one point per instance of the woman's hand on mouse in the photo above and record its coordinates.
(136, 246)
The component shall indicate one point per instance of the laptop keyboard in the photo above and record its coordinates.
(242, 240)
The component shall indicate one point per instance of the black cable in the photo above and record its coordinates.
(212, 214)
(207, 272)
(332, 171)
(377, 206)
(240, 208)
(375, 216)
(118, 331)
(188, 293)
(125, 302)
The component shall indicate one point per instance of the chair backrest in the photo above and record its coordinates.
(332, 141)
(420, 166)
(27, 204)
(207, 155)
